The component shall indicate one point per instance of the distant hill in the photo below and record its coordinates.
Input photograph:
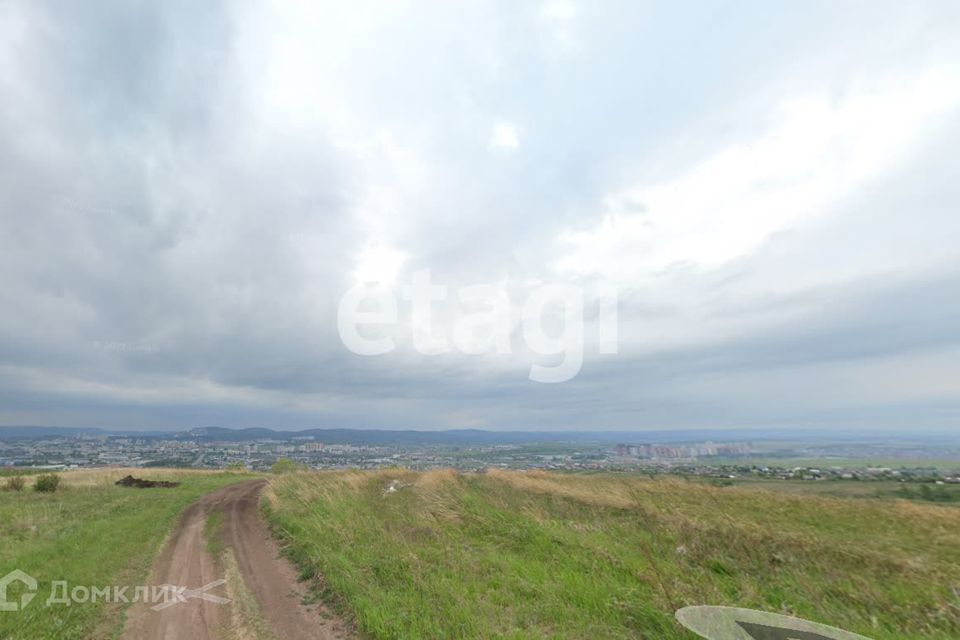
(475, 437)
(455, 437)
(32, 433)
(11, 433)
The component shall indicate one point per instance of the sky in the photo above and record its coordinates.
(188, 191)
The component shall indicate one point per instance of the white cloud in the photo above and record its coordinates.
(817, 152)
(378, 264)
(504, 136)
(559, 18)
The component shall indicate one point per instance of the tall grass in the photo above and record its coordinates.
(533, 555)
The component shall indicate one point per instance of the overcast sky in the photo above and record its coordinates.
(187, 190)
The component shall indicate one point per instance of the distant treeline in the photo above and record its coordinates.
(929, 492)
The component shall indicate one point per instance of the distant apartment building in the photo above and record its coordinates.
(665, 452)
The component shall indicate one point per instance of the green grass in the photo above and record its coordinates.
(89, 533)
(212, 535)
(536, 555)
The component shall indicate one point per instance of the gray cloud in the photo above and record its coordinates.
(185, 191)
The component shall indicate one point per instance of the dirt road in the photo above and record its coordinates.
(248, 591)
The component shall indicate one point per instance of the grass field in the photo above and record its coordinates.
(6, 472)
(89, 533)
(536, 555)
(883, 489)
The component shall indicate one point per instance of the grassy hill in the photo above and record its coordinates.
(89, 533)
(536, 555)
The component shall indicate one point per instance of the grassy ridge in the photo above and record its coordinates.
(882, 489)
(533, 555)
(90, 533)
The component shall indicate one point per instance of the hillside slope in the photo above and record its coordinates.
(532, 555)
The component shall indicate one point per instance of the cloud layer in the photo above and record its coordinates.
(186, 194)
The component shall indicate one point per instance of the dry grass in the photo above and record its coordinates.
(95, 478)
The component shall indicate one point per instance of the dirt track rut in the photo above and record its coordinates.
(266, 599)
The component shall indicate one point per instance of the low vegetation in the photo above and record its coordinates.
(930, 493)
(537, 555)
(46, 483)
(285, 465)
(90, 532)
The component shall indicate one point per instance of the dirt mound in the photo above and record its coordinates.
(140, 483)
